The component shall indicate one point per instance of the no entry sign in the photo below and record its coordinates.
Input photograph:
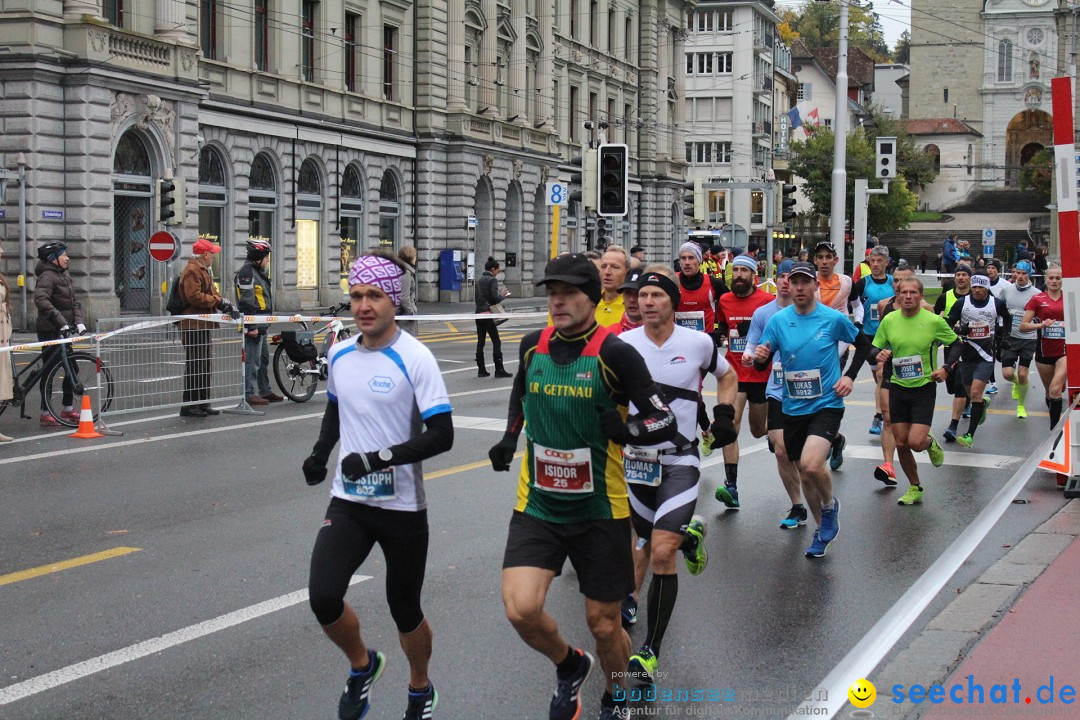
(164, 246)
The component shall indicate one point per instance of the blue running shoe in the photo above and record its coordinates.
(566, 702)
(876, 425)
(949, 435)
(354, 703)
(795, 517)
(629, 612)
(991, 389)
(817, 547)
(836, 456)
(830, 522)
(967, 412)
(421, 704)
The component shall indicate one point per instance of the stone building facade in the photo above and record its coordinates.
(330, 127)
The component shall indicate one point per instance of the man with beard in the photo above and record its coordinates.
(944, 303)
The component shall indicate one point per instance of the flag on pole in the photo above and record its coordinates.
(812, 118)
(793, 116)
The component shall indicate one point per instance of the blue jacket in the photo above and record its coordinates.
(948, 251)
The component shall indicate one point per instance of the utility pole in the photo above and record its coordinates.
(839, 174)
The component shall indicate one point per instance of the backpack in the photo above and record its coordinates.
(175, 304)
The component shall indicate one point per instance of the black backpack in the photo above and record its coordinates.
(175, 304)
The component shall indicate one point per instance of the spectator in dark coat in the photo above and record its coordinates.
(59, 314)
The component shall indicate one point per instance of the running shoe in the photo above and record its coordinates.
(886, 473)
(629, 611)
(354, 701)
(566, 703)
(949, 435)
(836, 456)
(830, 522)
(48, 420)
(614, 712)
(1015, 392)
(643, 666)
(986, 410)
(913, 496)
(421, 704)
(876, 425)
(966, 440)
(698, 557)
(1021, 412)
(706, 443)
(935, 452)
(71, 414)
(729, 495)
(817, 547)
(796, 516)
(992, 389)
(967, 412)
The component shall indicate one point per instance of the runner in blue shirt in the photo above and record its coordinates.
(870, 291)
(805, 337)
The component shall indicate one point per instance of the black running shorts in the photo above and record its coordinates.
(823, 423)
(912, 405)
(1047, 360)
(755, 391)
(668, 506)
(599, 551)
(1017, 350)
(777, 419)
(971, 371)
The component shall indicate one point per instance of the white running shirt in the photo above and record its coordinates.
(383, 398)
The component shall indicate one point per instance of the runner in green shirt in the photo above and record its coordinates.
(909, 339)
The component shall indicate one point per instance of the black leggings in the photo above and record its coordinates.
(50, 355)
(348, 533)
(485, 328)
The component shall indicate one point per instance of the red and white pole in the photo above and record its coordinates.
(1068, 221)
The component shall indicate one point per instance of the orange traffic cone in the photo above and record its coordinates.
(86, 422)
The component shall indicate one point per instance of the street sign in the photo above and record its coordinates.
(556, 193)
(989, 237)
(164, 246)
(471, 222)
(52, 214)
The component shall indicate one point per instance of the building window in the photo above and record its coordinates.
(828, 122)
(208, 29)
(970, 159)
(705, 63)
(307, 40)
(262, 200)
(704, 152)
(389, 211)
(723, 152)
(573, 114)
(262, 35)
(627, 112)
(724, 21)
(933, 154)
(502, 84)
(1005, 64)
(946, 95)
(573, 19)
(804, 92)
(390, 44)
(705, 21)
(532, 88)
(213, 196)
(689, 152)
(352, 51)
(611, 32)
(114, 12)
(594, 23)
(757, 207)
(352, 235)
(309, 200)
(723, 63)
(718, 207)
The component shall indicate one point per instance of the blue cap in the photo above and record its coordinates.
(784, 268)
(1025, 266)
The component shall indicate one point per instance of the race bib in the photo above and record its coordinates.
(874, 314)
(378, 485)
(735, 343)
(1017, 317)
(693, 319)
(642, 466)
(562, 471)
(978, 331)
(1054, 331)
(803, 384)
(908, 368)
(778, 372)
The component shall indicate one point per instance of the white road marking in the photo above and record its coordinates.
(50, 680)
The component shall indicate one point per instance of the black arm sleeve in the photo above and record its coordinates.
(857, 290)
(438, 437)
(863, 347)
(329, 433)
(952, 355)
(625, 374)
(515, 415)
(956, 310)
(939, 304)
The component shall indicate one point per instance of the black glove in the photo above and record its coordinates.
(227, 307)
(314, 470)
(723, 427)
(612, 425)
(501, 454)
(357, 465)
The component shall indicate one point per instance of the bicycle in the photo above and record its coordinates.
(78, 368)
(298, 364)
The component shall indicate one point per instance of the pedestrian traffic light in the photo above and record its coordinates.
(787, 200)
(885, 166)
(613, 175)
(166, 201)
(584, 179)
(694, 200)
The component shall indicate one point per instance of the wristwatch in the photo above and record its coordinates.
(386, 455)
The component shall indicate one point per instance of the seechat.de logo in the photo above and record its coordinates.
(381, 384)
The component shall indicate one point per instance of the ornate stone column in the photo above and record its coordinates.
(170, 21)
(456, 57)
(74, 9)
(489, 55)
(519, 95)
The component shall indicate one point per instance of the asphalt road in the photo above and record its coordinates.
(205, 615)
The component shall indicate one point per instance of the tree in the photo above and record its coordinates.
(1037, 174)
(812, 163)
(786, 27)
(902, 51)
(818, 25)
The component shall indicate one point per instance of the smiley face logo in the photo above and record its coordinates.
(862, 693)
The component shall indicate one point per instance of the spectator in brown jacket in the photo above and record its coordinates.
(59, 314)
(200, 298)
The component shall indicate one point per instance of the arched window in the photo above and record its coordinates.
(309, 203)
(474, 31)
(262, 204)
(351, 226)
(308, 182)
(933, 154)
(389, 211)
(133, 221)
(1005, 63)
(262, 174)
(132, 157)
(212, 201)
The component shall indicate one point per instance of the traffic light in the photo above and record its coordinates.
(885, 166)
(166, 201)
(787, 200)
(601, 233)
(694, 200)
(613, 174)
(584, 179)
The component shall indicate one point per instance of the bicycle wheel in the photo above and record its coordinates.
(84, 369)
(295, 383)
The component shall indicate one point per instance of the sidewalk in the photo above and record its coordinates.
(1011, 628)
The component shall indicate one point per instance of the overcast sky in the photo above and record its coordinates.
(895, 18)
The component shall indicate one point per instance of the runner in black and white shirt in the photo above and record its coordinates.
(663, 479)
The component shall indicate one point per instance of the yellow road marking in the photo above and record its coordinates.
(65, 565)
(453, 328)
(464, 468)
